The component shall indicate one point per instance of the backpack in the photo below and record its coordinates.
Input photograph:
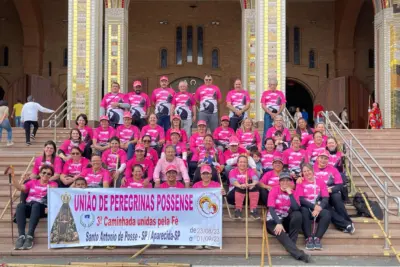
(362, 209)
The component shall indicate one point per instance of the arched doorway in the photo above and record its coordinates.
(193, 83)
(298, 95)
(2, 93)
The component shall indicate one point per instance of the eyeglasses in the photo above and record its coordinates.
(75, 154)
(139, 151)
(208, 80)
(146, 141)
(47, 173)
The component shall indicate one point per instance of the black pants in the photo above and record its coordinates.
(140, 123)
(345, 188)
(192, 166)
(235, 121)
(87, 153)
(32, 210)
(292, 224)
(27, 127)
(264, 196)
(197, 176)
(339, 216)
(323, 220)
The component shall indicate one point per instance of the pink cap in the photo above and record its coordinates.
(171, 168)
(201, 122)
(225, 118)
(127, 114)
(164, 78)
(176, 131)
(233, 141)
(205, 168)
(324, 153)
(140, 147)
(137, 83)
(104, 117)
(176, 117)
(277, 158)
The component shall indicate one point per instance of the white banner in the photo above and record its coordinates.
(129, 217)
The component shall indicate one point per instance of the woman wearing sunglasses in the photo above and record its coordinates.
(73, 168)
(149, 152)
(35, 206)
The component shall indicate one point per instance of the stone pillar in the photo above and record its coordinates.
(116, 44)
(85, 20)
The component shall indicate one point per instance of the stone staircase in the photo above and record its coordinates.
(367, 240)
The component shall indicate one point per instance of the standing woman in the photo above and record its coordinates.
(75, 140)
(102, 135)
(73, 167)
(314, 149)
(295, 157)
(297, 116)
(314, 200)
(268, 154)
(96, 176)
(114, 159)
(149, 152)
(176, 125)
(156, 132)
(5, 123)
(86, 133)
(345, 118)
(375, 117)
(248, 135)
(222, 134)
(303, 129)
(284, 218)
(238, 102)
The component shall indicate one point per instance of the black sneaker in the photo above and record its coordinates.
(28, 244)
(238, 214)
(254, 214)
(32, 137)
(310, 244)
(350, 229)
(306, 258)
(28, 143)
(317, 243)
(20, 242)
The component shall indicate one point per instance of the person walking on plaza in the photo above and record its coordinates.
(16, 114)
(161, 98)
(238, 102)
(5, 123)
(273, 102)
(29, 116)
(184, 105)
(209, 96)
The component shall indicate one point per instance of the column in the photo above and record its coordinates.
(116, 44)
(84, 56)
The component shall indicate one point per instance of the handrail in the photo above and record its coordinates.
(62, 106)
(287, 117)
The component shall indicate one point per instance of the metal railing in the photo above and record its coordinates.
(58, 116)
(288, 119)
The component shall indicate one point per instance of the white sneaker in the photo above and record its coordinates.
(182, 247)
(198, 247)
(208, 247)
(10, 143)
(164, 247)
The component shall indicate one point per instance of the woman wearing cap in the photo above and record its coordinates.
(303, 129)
(240, 179)
(206, 182)
(314, 199)
(309, 139)
(75, 140)
(180, 147)
(149, 152)
(295, 157)
(196, 141)
(231, 154)
(171, 173)
(268, 154)
(248, 136)
(113, 105)
(238, 102)
(140, 159)
(73, 167)
(278, 126)
(96, 176)
(156, 132)
(128, 134)
(270, 179)
(102, 134)
(86, 132)
(222, 134)
(114, 158)
(176, 125)
(284, 219)
(139, 105)
(316, 147)
(160, 171)
(137, 180)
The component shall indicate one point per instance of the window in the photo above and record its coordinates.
(179, 46)
(4, 56)
(296, 46)
(199, 45)
(163, 58)
(189, 44)
(371, 58)
(215, 59)
(65, 57)
(287, 44)
(311, 59)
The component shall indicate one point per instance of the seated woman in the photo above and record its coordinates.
(243, 180)
(316, 147)
(270, 179)
(196, 141)
(249, 137)
(222, 134)
(268, 155)
(232, 154)
(75, 140)
(160, 171)
(102, 134)
(48, 158)
(140, 159)
(114, 159)
(284, 219)
(35, 206)
(128, 134)
(156, 132)
(180, 147)
(278, 126)
(137, 180)
(176, 126)
(295, 157)
(303, 129)
(150, 153)
(86, 133)
(314, 199)
(309, 139)
(280, 144)
(96, 176)
(73, 168)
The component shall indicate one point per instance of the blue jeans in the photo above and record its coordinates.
(17, 121)
(131, 151)
(6, 125)
(267, 125)
(165, 122)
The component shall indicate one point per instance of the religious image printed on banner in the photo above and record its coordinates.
(129, 217)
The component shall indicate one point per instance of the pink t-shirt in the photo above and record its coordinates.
(208, 96)
(285, 133)
(238, 99)
(135, 184)
(148, 167)
(177, 185)
(184, 103)
(102, 136)
(270, 178)
(212, 184)
(329, 175)
(228, 154)
(196, 141)
(184, 137)
(294, 158)
(71, 168)
(114, 114)
(67, 146)
(312, 191)
(201, 155)
(126, 134)
(273, 99)
(309, 139)
(280, 201)
(179, 148)
(313, 150)
(162, 99)
(236, 176)
(87, 133)
(334, 159)
(152, 155)
(248, 138)
(156, 133)
(139, 103)
(305, 134)
(223, 135)
(94, 179)
(267, 157)
(36, 191)
(110, 158)
(57, 166)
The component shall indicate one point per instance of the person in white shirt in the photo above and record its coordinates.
(29, 116)
(344, 117)
(297, 116)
